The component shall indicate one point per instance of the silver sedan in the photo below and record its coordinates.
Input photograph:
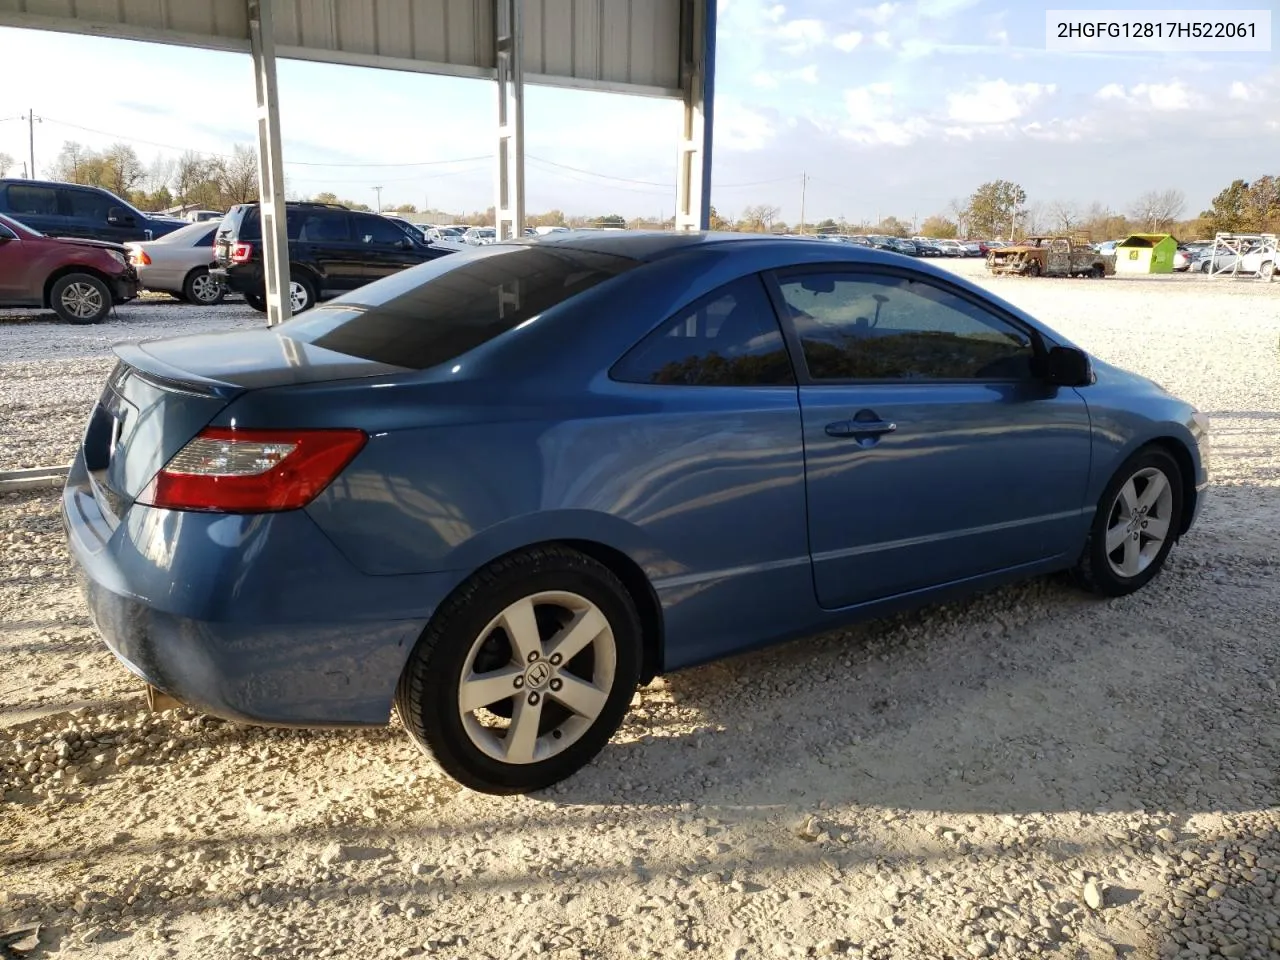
(178, 263)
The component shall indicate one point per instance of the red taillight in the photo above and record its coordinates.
(241, 252)
(139, 258)
(252, 471)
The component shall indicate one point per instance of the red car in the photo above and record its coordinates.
(79, 279)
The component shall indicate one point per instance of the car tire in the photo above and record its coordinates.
(1097, 272)
(555, 594)
(1267, 271)
(256, 301)
(201, 289)
(1146, 494)
(80, 298)
(302, 294)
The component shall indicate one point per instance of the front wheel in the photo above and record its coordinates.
(1267, 271)
(80, 298)
(1135, 525)
(257, 301)
(525, 672)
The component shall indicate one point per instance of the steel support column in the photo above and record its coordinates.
(697, 85)
(508, 209)
(275, 240)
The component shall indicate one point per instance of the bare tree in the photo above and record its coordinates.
(159, 174)
(238, 176)
(6, 164)
(959, 209)
(1158, 209)
(1064, 215)
(122, 169)
(192, 173)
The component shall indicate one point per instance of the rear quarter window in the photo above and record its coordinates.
(436, 312)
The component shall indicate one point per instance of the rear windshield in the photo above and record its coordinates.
(437, 311)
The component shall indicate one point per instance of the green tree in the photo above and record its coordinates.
(610, 220)
(718, 222)
(827, 226)
(939, 227)
(892, 227)
(994, 207)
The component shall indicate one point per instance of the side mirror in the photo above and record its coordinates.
(119, 218)
(1068, 367)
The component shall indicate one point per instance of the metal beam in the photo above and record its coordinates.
(697, 88)
(508, 208)
(275, 239)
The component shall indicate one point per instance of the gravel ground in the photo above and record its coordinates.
(1033, 772)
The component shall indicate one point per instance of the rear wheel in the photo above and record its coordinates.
(1096, 272)
(1135, 525)
(80, 298)
(302, 294)
(202, 289)
(256, 301)
(1267, 271)
(525, 673)
(1033, 269)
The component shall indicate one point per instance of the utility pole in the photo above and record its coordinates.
(804, 182)
(378, 191)
(32, 120)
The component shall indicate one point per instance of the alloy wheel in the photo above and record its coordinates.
(205, 289)
(537, 677)
(1139, 522)
(82, 300)
(299, 296)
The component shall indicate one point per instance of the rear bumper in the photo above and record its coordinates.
(250, 618)
(240, 278)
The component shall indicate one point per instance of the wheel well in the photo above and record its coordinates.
(66, 271)
(642, 594)
(1178, 450)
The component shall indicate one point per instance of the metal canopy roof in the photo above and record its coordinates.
(624, 46)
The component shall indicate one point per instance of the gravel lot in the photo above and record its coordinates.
(1032, 772)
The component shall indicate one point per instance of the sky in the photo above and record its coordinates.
(882, 108)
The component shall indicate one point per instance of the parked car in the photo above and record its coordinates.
(457, 490)
(73, 210)
(950, 248)
(178, 264)
(78, 279)
(413, 229)
(445, 233)
(201, 216)
(331, 250)
(480, 235)
(1260, 261)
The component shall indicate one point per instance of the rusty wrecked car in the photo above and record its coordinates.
(1051, 257)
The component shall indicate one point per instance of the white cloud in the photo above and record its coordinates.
(940, 9)
(878, 15)
(1165, 97)
(767, 80)
(881, 39)
(738, 127)
(1242, 91)
(776, 12)
(846, 42)
(798, 36)
(995, 101)
(872, 120)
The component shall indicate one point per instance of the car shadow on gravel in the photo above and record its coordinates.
(1030, 699)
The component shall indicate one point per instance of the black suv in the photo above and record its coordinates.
(74, 210)
(331, 250)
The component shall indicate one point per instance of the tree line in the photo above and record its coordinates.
(996, 209)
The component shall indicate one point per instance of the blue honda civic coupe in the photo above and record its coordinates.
(500, 490)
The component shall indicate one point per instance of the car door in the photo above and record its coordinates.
(325, 245)
(89, 214)
(35, 206)
(15, 259)
(708, 412)
(387, 248)
(933, 453)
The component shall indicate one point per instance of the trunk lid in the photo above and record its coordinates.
(164, 392)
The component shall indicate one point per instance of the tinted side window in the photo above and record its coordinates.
(41, 201)
(866, 326)
(207, 239)
(370, 229)
(86, 205)
(729, 338)
(324, 227)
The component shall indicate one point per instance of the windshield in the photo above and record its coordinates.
(20, 228)
(433, 313)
